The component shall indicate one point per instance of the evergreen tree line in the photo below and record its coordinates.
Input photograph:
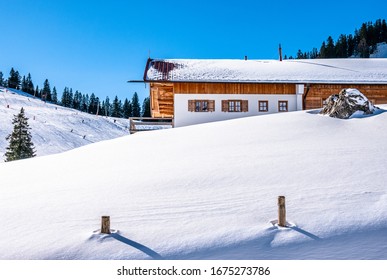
(77, 100)
(360, 44)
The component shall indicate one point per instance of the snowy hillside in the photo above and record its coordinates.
(381, 51)
(206, 192)
(54, 128)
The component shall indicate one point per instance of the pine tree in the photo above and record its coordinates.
(54, 96)
(127, 109)
(77, 100)
(46, 91)
(20, 143)
(300, 55)
(341, 47)
(363, 48)
(30, 84)
(24, 84)
(92, 104)
(323, 51)
(70, 98)
(136, 108)
(37, 92)
(146, 112)
(14, 79)
(85, 103)
(107, 107)
(2, 82)
(351, 45)
(330, 48)
(116, 108)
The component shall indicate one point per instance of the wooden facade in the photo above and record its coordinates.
(315, 94)
(162, 93)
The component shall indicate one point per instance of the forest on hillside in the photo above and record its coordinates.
(360, 44)
(78, 100)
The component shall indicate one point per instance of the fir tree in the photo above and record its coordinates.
(54, 96)
(24, 84)
(85, 103)
(136, 108)
(46, 91)
(116, 108)
(127, 109)
(14, 79)
(2, 82)
(20, 143)
(341, 47)
(146, 112)
(30, 84)
(93, 104)
(37, 92)
(77, 100)
(107, 107)
(363, 48)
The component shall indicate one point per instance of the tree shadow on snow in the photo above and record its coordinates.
(136, 245)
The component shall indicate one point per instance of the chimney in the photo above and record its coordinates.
(280, 52)
(245, 57)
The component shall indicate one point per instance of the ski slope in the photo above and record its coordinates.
(206, 192)
(54, 128)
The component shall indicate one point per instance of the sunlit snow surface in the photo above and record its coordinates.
(54, 128)
(353, 70)
(206, 192)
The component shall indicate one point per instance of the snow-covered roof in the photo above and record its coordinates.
(347, 71)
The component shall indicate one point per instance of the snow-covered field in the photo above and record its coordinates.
(206, 192)
(54, 128)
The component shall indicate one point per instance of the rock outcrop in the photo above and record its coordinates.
(346, 103)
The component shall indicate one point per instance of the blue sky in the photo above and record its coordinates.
(97, 46)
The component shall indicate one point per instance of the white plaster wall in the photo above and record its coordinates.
(183, 117)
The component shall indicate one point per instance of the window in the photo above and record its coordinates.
(201, 105)
(282, 106)
(263, 106)
(235, 106)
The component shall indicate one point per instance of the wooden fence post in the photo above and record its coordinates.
(281, 211)
(105, 224)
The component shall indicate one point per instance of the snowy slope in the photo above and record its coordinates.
(381, 51)
(54, 128)
(206, 192)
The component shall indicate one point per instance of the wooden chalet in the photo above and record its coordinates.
(195, 91)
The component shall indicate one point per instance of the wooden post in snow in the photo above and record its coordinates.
(105, 224)
(281, 211)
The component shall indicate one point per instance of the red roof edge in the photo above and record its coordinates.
(146, 68)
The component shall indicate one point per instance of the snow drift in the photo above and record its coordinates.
(206, 192)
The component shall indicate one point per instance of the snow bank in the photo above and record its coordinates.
(206, 192)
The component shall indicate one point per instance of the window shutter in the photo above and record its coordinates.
(224, 105)
(211, 105)
(245, 105)
(191, 105)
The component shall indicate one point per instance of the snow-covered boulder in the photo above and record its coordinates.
(348, 102)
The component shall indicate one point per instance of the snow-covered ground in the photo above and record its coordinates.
(206, 192)
(381, 51)
(54, 128)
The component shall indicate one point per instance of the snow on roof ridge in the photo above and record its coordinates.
(349, 70)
